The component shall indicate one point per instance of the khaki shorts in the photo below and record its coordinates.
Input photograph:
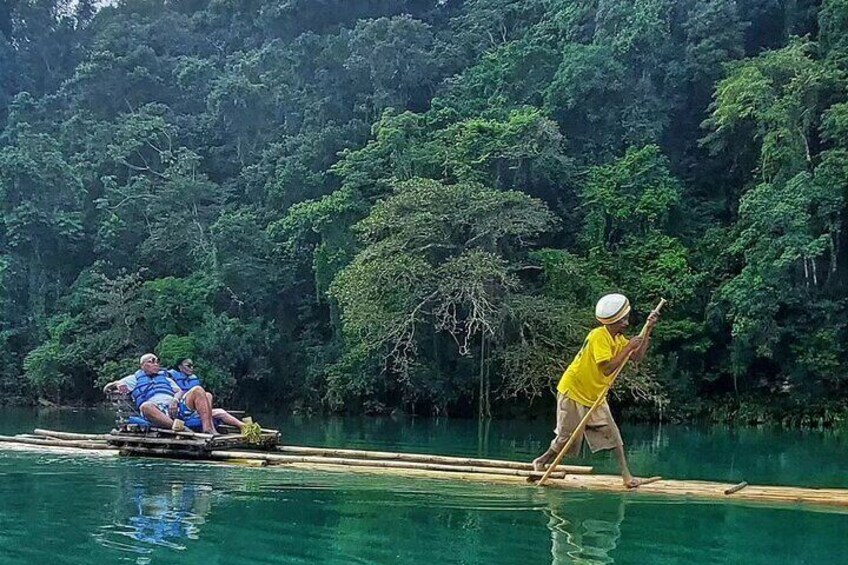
(601, 431)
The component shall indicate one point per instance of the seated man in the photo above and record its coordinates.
(160, 399)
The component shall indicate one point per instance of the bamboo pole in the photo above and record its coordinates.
(166, 432)
(55, 442)
(126, 439)
(649, 480)
(578, 431)
(424, 458)
(273, 458)
(163, 431)
(234, 429)
(343, 453)
(69, 435)
(186, 433)
(736, 488)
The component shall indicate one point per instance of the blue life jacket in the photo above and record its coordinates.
(185, 382)
(146, 386)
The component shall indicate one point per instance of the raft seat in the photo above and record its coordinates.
(128, 418)
(144, 424)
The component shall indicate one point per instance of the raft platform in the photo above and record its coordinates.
(150, 441)
(185, 444)
(232, 449)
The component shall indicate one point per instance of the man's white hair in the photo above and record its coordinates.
(146, 357)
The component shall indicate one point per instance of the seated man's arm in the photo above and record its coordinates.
(123, 385)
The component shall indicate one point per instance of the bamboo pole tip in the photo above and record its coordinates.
(736, 488)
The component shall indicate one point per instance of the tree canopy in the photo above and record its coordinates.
(413, 205)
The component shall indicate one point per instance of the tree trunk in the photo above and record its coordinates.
(482, 391)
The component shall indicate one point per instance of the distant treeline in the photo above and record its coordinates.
(374, 205)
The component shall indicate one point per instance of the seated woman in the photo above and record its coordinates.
(160, 399)
(185, 378)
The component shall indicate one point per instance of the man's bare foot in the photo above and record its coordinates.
(633, 482)
(541, 462)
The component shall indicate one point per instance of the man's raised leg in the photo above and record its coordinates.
(156, 416)
(566, 423)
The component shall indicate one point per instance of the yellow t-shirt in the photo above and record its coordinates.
(583, 381)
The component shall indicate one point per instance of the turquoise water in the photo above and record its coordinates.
(112, 510)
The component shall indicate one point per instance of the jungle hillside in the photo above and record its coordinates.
(379, 206)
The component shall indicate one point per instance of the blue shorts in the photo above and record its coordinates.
(183, 411)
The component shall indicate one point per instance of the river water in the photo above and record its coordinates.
(71, 509)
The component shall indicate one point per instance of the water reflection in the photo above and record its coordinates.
(584, 535)
(164, 516)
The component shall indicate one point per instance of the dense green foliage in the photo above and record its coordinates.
(414, 204)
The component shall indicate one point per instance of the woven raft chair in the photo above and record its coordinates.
(124, 409)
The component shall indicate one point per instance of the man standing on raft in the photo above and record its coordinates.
(586, 378)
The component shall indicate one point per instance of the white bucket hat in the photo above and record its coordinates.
(612, 308)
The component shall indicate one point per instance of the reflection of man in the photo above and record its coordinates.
(167, 518)
(585, 531)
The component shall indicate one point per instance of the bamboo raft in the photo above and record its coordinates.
(228, 449)
(185, 444)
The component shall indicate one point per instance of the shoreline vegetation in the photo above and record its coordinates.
(745, 413)
(411, 206)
